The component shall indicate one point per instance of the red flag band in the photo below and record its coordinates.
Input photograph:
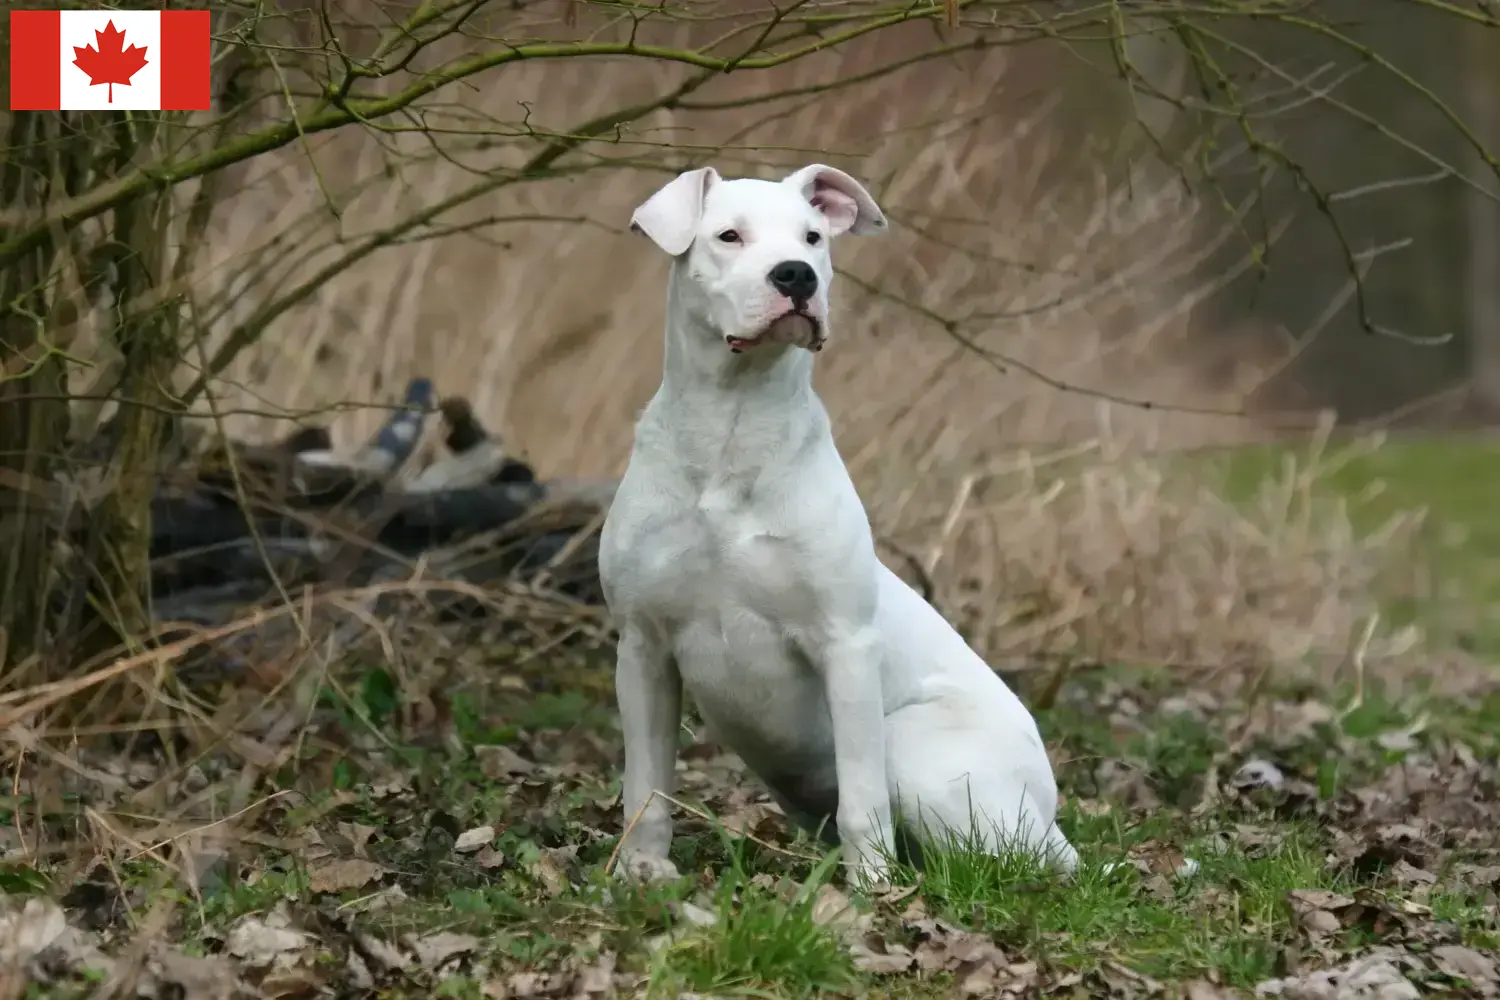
(105, 60)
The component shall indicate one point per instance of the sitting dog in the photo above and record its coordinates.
(738, 563)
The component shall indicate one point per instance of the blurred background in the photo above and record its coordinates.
(1154, 278)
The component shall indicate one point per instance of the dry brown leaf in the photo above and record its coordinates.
(1459, 962)
(498, 762)
(751, 820)
(549, 869)
(1317, 909)
(343, 873)
(385, 956)
(1200, 989)
(189, 977)
(523, 984)
(260, 942)
(1158, 887)
(436, 950)
(1152, 857)
(358, 836)
(382, 899)
(291, 983)
(473, 840)
(878, 957)
(896, 894)
(1375, 976)
(832, 908)
(598, 978)
(32, 927)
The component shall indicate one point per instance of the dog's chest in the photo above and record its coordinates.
(714, 550)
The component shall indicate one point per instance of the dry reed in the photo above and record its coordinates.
(1029, 298)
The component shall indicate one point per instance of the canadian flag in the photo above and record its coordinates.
(109, 60)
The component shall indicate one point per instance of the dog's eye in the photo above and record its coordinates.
(814, 238)
(729, 236)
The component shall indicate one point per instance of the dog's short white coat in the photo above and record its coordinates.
(738, 562)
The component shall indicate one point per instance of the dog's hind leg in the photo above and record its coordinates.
(1062, 857)
(819, 820)
(810, 809)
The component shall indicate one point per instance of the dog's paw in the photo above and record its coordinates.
(868, 874)
(646, 868)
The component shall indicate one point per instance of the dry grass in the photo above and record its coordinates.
(1008, 235)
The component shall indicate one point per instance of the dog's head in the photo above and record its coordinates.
(755, 253)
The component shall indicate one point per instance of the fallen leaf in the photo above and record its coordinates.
(385, 956)
(596, 978)
(381, 899)
(523, 984)
(497, 762)
(1317, 909)
(881, 958)
(1370, 977)
(489, 857)
(359, 972)
(549, 869)
(341, 874)
(189, 976)
(29, 930)
(358, 836)
(290, 983)
(900, 892)
(1458, 962)
(259, 942)
(473, 840)
(692, 913)
(1199, 989)
(747, 821)
(1159, 888)
(436, 950)
(1407, 874)
(1152, 857)
(832, 908)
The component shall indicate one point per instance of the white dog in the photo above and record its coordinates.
(738, 562)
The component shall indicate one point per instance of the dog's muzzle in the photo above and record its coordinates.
(795, 329)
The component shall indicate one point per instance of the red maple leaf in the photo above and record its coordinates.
(108, 61)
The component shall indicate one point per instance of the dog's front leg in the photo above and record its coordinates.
(851, 675)
(649, 691)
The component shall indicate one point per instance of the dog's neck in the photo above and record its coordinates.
(698, 360)
(760, 401)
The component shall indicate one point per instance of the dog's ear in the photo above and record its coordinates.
(843, 201)
(670, 216)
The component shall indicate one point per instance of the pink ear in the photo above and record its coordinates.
(842, 199)
(670, 216)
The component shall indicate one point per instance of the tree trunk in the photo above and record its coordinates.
(33, 403)
(146, 337)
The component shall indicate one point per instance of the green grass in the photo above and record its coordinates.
(1455, 478)
(744, 920)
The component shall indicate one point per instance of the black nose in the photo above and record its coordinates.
(795, 279)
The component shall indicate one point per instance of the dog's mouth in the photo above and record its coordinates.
(796, 328)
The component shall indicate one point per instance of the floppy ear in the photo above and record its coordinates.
(842, 199)
(670, 216)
